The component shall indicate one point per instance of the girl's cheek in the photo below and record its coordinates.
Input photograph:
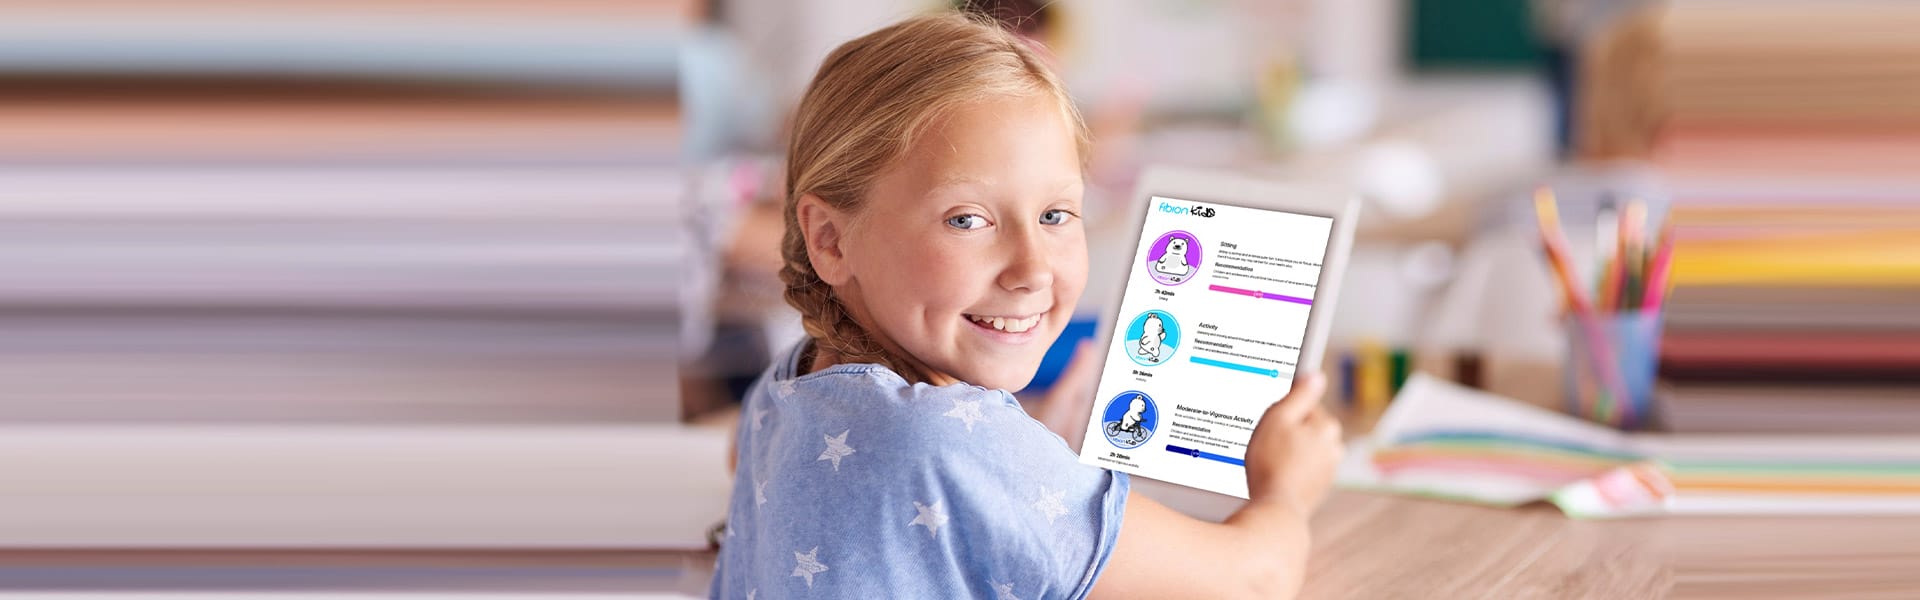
(1071, 256)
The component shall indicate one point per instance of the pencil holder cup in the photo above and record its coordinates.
(1611, 363)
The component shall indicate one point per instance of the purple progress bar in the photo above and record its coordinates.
(1258, 294)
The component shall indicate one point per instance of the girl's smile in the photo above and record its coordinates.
(1012, 330)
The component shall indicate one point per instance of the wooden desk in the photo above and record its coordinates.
(1377, 546)
(1365, 546)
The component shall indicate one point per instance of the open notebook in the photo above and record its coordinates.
(1445, 441)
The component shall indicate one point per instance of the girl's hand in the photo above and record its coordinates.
(1294, 450)
(1259, 551)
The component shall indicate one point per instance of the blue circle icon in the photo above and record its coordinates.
(1152, 338)
(1130, 419)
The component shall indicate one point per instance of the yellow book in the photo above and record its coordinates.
(1873, 258)
(1373, 379)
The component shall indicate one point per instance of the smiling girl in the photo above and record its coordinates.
(935, 249)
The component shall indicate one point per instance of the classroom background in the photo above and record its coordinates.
(422, 296)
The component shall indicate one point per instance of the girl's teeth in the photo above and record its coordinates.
(1006, 324)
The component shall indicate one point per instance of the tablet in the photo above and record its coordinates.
(1229, 292)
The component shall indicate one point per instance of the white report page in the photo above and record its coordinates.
(1208, 334)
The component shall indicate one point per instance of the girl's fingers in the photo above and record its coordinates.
(1330, 426)
(1304, 398)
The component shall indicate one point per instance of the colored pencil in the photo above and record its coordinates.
(1606, 252)
(1659, 272)
(1633, 253)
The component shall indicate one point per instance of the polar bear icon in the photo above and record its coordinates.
(1132, 428)
(1136, 411)
(1174, 262)
(1152, 334)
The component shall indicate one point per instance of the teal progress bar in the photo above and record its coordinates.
(1235, 366)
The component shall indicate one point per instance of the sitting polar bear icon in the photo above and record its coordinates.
(1152, 334)
(1174, 262)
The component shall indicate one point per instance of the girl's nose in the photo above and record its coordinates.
(1029, 268)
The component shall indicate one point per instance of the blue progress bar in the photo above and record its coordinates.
(1235, 366)
(1206, 455)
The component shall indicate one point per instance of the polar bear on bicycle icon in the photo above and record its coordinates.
(1129, 425)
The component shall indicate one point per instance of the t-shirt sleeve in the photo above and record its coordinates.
(859, 485)
(961, 494)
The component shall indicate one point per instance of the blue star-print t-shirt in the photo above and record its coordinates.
(853, 483)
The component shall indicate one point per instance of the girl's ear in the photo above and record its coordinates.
(824, 228)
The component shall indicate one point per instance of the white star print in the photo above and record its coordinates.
(930, 516)
(1051, 503)
(759, 418)
(807, 565)
(967, 411)
(1003, 591)
(837, 449)
(752, 592)
(786, 388)
(759, 493)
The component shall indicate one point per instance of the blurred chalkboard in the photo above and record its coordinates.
(1471, 34)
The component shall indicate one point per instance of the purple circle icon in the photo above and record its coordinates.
(1174, 258)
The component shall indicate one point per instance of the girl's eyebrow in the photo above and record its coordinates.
(1073, 191)
(949, 182)
(952, 181)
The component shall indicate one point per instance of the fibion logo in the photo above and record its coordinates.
(1195, 210)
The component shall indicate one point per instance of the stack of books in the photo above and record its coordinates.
(359, 211)
(1789, 133)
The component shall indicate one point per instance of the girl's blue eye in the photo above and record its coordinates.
(966, 221)
(1055, 217)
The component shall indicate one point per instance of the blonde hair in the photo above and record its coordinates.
(871, 97)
